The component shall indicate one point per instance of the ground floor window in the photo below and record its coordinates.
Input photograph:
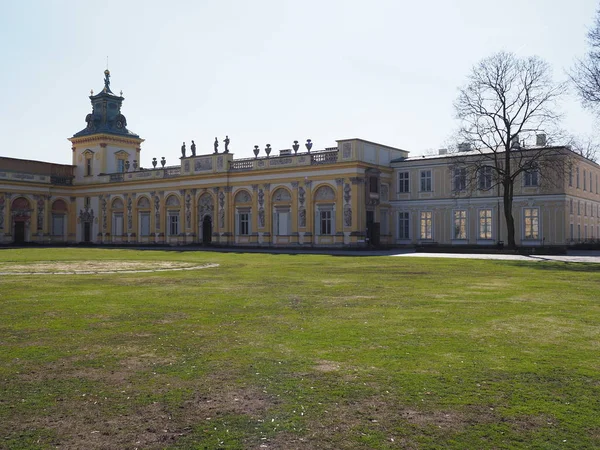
(145, 224)
(117, 224)
(403, 225)
(426, 225)
(58, 224)
(383, 219)
(173, 224)
(532, 226)
(243, 223)
(281, 222)
(325, 221)
(460, 224)
(485, 224)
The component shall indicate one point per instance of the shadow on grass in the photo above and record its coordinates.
(554, 265)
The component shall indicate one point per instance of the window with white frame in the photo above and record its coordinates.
(426, 184)
(460, 179)
(403, 182)
(485, 178)
(120, 165)
(173, 223)
(325, 222)
(571, 231)
(243, 223)
(117, 224)
(485, 224)
(570, 176)
(88, 166)
(58, 224)
(532, 223)
(426, 225)
(403, 225)
(531, 177)
(144, 223)
(459, 230)
(384, 222)
(281, 221)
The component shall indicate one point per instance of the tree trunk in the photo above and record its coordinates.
(508, 215)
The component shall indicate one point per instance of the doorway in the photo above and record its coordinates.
(206, 230)
(87, 231)
(20, 232)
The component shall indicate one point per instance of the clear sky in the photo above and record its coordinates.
(266, 71)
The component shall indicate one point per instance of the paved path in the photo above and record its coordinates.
(570, 257)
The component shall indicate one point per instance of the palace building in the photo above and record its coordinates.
(353, 194)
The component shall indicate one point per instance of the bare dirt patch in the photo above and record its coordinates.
(93, 267)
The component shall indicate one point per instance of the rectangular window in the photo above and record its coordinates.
(173, 224)
(88, 166)
(578, 207)
(577, 177)
(403, 182)
(403, 225)
(591, 187)
(373, 185)
(570, 176)
(117, 225)
(281, 223)
(120, 166)
(325, 222)
(244, 223)
(532, 226)
(585, 231)
(384, 221)
(58, 224)
(485, 178)
(144, 224)
(485, 224)
(460, 179)
(531, 177)
(571, 231)
(571, 206)
(584, 208)
(426, 181)
(578, 231)
(426, 225)
(460, 224)
(584, 180)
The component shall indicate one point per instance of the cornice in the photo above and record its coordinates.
(105, 137)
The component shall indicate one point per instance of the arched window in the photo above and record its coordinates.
(243, 213)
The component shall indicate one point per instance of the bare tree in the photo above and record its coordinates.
(507, 99)
(585, 75)
(585, 146)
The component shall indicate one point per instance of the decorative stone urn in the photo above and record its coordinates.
(154, 162)
(268, 150)
(256, 150)
(308, 145)
(163, 161)
(296, 146)
(127, 165)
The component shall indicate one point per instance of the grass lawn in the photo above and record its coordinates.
(296, 352)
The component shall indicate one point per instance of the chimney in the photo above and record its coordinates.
(514, 142)
(464, 147)
(540, 140)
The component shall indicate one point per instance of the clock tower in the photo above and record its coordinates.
(105, 144)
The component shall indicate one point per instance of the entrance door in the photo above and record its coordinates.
(87, 226)
(206, 230)
(19, 232)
